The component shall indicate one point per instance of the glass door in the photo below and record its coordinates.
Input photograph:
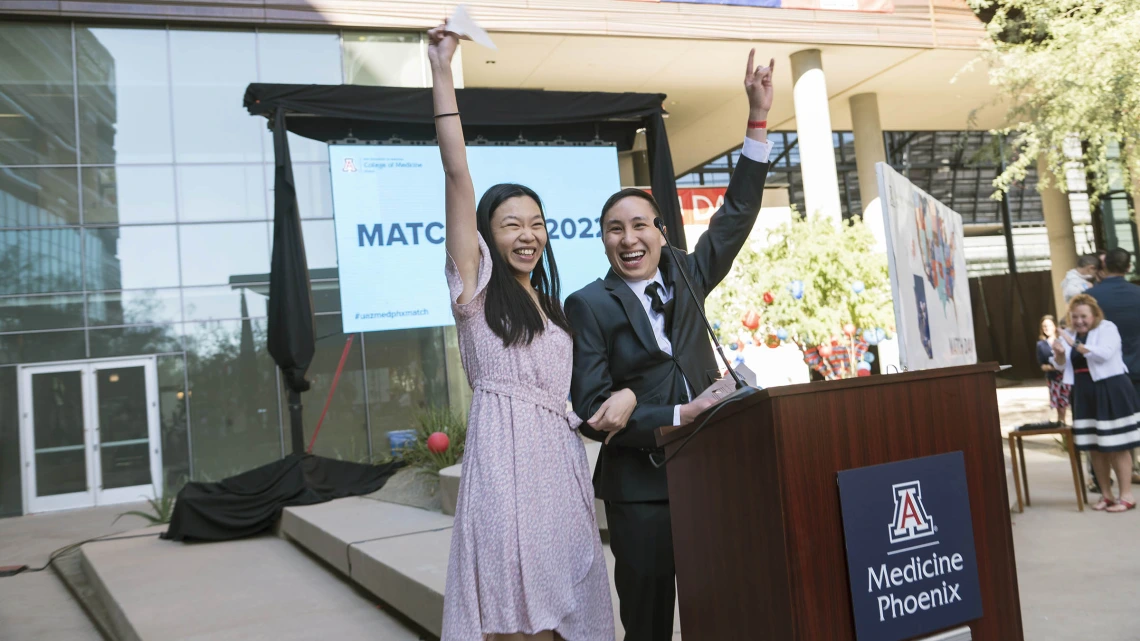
(89, 434)
(55, 438)
(125, 398)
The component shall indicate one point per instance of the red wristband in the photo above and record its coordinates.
(757, 124)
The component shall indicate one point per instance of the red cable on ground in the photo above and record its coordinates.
(328, 401)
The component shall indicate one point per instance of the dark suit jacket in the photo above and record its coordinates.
(614, 346)
(1120, 301)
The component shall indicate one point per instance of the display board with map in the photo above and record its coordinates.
(927, 262)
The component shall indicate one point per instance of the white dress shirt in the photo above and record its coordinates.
(753, 150)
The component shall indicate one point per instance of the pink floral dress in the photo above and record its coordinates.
(525, 552)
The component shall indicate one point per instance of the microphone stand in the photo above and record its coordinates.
(742, 389)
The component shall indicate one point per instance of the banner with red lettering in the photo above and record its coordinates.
(698, 204)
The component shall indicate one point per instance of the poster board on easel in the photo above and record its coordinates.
(927, 261)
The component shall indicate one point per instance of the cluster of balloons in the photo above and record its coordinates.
(752, 321)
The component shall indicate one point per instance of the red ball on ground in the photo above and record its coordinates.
(438, 443)
(863, 372)
(768, 298)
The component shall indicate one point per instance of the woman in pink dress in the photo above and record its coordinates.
(526, 560)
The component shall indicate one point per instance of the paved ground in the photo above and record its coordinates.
(1078, 572)
(38, 605)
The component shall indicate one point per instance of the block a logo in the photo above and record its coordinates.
(348, 165)
(911, 520)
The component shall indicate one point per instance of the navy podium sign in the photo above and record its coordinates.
(910, 547)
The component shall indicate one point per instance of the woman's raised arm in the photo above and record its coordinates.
(459, 192)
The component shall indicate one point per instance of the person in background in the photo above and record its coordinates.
(1100, 273)
(1058, 390)
(1106, 409)
(526, 559)
(1080, 277)
(1120, 301)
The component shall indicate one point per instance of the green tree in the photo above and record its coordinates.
(1069, 71)
(843, 282)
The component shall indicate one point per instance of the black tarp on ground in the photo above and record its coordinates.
(337, 112)
(251, 503)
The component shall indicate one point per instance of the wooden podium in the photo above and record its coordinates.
(757, 530)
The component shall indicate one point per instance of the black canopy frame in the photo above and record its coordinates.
(334, 113)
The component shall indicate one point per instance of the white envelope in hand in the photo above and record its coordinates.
(461, 24)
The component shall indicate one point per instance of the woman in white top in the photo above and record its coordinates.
(1106, 410)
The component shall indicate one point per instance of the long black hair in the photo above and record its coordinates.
(510, 311)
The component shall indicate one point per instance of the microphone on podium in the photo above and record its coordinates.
(743, 390)
(740, 384)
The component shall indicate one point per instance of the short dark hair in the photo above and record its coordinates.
(1088, 260)
(509, 309)
(629, 192)
(1118, 261)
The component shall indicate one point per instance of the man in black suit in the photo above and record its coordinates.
(1120, 302)
(639, 328)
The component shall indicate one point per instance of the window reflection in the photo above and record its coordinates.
(384, 59)
(27, 313)
(314, 189)
(320, 243)
(172, 418)
(11, 481)
(344, 433)
(39, 347)
(210, 71)
(140, 257)
(221, 192)
(40, 261)
(233, 398)
(134, 307)
(128, 195)
(124, 95)
(299, 58)
(38, 196)
(223, 253)
(37, 99)
(405, 376)
(225, 303)
(133, 341)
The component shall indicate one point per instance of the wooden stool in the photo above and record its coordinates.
(1018, 452)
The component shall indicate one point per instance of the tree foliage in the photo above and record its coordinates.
(1069, 71)
(831, 260)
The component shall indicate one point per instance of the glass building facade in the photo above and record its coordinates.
(958, 168)
(136, 219)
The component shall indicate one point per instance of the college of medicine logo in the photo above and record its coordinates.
(911, 520)
(348, 165)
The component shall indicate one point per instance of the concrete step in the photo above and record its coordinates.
(258, 588)
(396, 553)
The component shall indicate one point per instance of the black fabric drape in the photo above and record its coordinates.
(251, 503)
(663, 181)
(337, 112)
(292, 328)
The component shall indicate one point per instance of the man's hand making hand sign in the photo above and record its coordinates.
(758, 86)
